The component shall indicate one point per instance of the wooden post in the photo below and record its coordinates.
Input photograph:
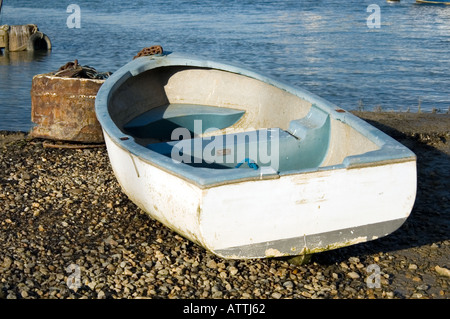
(4, 37)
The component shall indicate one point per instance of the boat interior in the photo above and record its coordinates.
(216, 119)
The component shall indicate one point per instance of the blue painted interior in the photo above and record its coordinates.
(161, 121)
(314, 133)
(228, 151)
(304, 147)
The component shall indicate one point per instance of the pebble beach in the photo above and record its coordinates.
(67, 231)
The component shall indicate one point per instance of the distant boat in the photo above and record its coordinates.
(446, 2)
(264, 169)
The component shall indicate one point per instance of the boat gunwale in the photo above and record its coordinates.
(390, 151)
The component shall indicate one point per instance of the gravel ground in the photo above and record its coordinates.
(67, 231)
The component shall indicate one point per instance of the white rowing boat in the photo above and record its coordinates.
(248, 166)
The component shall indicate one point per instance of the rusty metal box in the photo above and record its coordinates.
(64, 108)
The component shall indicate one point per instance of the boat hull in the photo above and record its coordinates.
(441, 2)
(286, 216)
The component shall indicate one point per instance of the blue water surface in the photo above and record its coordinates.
(327, 47)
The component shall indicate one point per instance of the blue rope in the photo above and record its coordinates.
(249, 162)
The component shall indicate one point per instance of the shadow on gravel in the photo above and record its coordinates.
(429, 220)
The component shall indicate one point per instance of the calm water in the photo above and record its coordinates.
(323, 46)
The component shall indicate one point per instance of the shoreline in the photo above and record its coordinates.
(64, 207)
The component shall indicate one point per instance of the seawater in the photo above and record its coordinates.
(327, 47)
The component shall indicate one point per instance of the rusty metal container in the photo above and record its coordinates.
(64, 108)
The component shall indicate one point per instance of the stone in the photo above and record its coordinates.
(110, 241)
(353, 275)
(163, 272)
(217, 294)
(412, 267)
(233, 270)
(211, 264)
(344, 265)
(111, 267)
(288, 284)
(11, 295)
(7, 262)
(128, 272)
(442, 271)
(276, 295)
